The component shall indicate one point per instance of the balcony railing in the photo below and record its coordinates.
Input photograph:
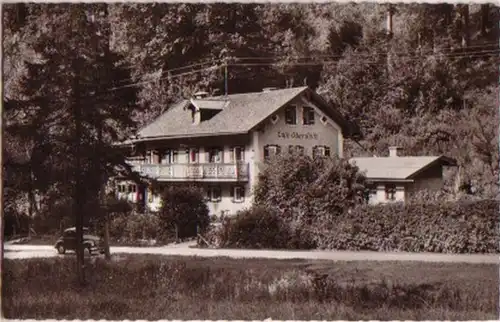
(200, 171)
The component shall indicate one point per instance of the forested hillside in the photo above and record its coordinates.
(423, 77)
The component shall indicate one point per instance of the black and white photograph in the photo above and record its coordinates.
(262, 161)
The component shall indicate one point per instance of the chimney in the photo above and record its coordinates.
(200, 95)
(393, 151)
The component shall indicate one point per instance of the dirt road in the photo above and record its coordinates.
(30, 251)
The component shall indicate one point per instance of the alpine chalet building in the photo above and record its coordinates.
(222, 142)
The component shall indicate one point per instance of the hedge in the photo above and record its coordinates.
(447, 227)
(133, 227)
(257, 228)
(439, 227)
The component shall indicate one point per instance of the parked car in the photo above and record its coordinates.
(92, 244)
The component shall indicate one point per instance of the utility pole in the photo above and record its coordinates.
(390, 32)
(485, 11)
(464, 14)
(390, 15)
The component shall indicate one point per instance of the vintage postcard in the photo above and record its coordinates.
(250, 161)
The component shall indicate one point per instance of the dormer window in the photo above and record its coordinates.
(291, 114)
(308, 115)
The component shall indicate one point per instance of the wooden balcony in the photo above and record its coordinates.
(195, 172)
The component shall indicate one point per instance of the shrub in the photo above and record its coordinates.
(134, 227)
(301, 188)
(258, 227)
(445, 227)
(184, 212)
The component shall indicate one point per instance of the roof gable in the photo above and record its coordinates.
(238, 114)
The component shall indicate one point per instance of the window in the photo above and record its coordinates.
(308, 115)
(271, 151)
(237, 154)
(291, 114)
(324, 120)
(321, 151)
(214, 194)
(390, 192)
(148, 158)
(370, 193)
(170, 156)
(70, 234)
(238, 193)
(296, 149)
(215, 155)
(193, 155)
(131, 188)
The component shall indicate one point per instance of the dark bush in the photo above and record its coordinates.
(184, 212)
(256, 228)
(259, 227)
(445, 227)
(130, 228)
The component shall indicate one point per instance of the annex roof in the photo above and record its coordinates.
(397, 168)
(239, 113)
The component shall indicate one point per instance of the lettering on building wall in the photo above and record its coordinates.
(298, 136)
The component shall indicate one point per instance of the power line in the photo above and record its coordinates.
(166, 78)
(473, 54)
(362, 55)
(372, 62)
(207, 61)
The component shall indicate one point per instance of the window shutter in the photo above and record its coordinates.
(266, 152)
(278, 150)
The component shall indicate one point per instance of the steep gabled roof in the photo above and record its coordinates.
(239, 113)
(397, 168)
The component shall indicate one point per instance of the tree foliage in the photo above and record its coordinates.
(183, 213)
(302, 189)
(429, 87)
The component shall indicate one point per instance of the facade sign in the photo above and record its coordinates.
(298, 136)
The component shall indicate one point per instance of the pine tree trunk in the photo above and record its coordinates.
(107, 252)
(77, 201)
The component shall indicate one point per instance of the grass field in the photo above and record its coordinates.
(158, 287)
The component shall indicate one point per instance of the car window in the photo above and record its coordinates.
(69, 234)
